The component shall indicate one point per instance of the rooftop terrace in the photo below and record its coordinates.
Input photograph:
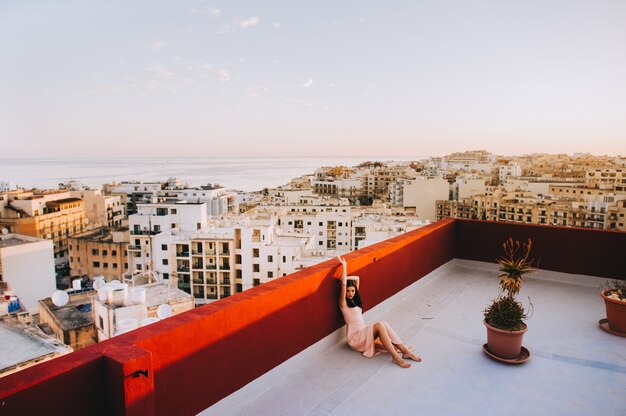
(575, 368)
(195, 360)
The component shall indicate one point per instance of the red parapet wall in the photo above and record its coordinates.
(562, 249)
(184, 364)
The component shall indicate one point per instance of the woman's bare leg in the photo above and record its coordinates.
(398, 344)
(381, 332)
(406, 353)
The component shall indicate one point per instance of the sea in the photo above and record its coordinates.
(237, 173)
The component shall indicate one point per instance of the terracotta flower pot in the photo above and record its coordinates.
(504, 344)
(615, 313)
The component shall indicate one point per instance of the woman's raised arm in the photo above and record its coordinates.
(344, 283)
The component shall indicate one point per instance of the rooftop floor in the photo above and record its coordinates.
(574, 369)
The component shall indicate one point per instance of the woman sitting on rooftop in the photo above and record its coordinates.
(364, 338)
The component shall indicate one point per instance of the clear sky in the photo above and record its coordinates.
(311, 78)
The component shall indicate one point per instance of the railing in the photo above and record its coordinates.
(174, 359)
(143, 232)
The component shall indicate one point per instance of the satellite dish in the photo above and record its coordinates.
(60, 298)
(5, 231)
(164, 311)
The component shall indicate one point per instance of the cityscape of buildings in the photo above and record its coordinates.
(79, 265)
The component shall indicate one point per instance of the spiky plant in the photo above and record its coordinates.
(506, 312)
(514, 265)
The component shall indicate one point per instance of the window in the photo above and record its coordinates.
(96, 264)
(255, 252)
(284, 259)
(164, 247)
(166, 275)
(137, 242)
(256, 282)
(114, 253)
(255, 268)
(173, 211)
(237, 259)
(105, 252)
(270, 259)
(101, 322)
(321, 243)
(270, 274)
(165, 262)
(114, 265)
(105, 265)
(94, 251)
(321, 223)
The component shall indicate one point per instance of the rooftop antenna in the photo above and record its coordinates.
(164, 311)
(60, 298)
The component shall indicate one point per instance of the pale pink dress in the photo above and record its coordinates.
(360, 336)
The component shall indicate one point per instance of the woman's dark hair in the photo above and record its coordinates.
(356, 300)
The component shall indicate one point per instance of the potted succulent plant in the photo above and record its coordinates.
(504, 317)
(615, 302)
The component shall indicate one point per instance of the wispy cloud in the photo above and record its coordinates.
(159, 71)
(276, 25)
(249, 22)
(208, 10)
(306, 84)
(221, 73)
(156, 45)
(257, 91)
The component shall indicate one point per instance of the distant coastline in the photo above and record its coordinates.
(242, 173)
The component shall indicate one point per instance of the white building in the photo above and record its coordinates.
(505, 171)
(466, 186)
(154, 219)
(136, 306)
(422, 194)
(27, 268)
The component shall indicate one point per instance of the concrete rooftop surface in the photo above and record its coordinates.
(575, 368)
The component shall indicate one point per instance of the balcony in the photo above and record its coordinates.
(431, 283)
(144, 232)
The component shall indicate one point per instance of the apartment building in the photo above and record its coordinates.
(377, 180)
(102, 210)
(137, 306)
(218, 200)
(340, 182)
(132, 193)
(454, 209)
(52, 215)
(72, 323)
(607, 178)
(154, 219)
(509, 170)
(420, 195)
(27, 268)
(616, 219)
(370, 228)
(99, 252)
